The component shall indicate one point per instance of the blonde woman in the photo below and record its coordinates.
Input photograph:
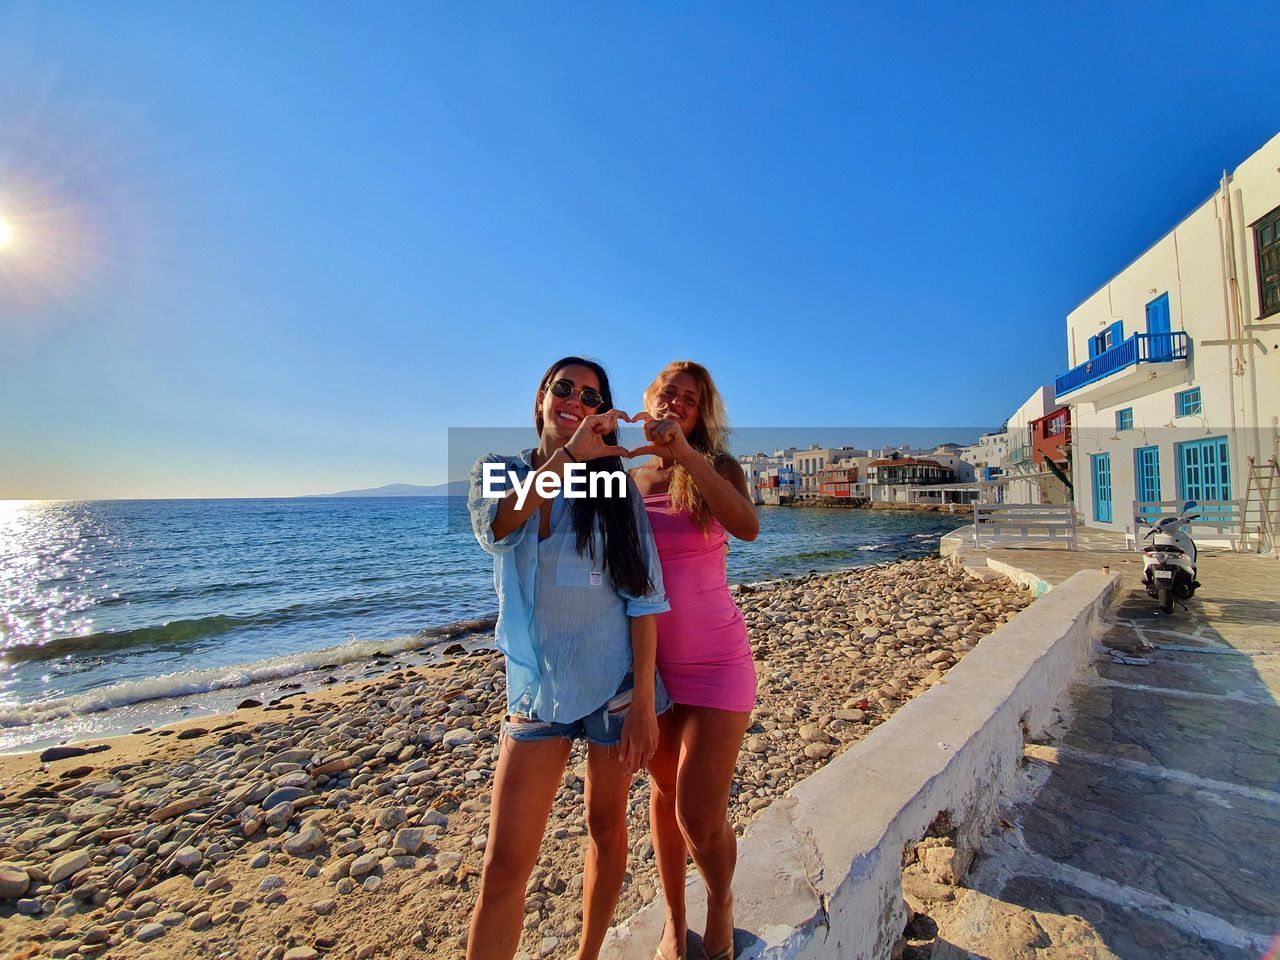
(696, 496)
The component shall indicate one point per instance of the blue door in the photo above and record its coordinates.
(1160, 344)
(1146, 473)
(1102, 487)
(1204, 469)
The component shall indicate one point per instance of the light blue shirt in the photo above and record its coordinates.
(562, 621)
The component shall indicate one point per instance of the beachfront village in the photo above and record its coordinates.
(1169, 390)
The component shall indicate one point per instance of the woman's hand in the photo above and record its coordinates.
(665, 437)
(639, 736)
(587, 442)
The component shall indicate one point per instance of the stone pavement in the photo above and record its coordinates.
(1149, 825)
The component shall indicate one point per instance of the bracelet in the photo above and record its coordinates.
(569, 453)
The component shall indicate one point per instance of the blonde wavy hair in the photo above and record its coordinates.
(709, 437)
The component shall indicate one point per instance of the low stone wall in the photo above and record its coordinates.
(820, 873)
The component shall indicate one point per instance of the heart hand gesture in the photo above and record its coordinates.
(665, 437)
(587, 442)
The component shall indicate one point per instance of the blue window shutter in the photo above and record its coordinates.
(1093, 347)
(1117, 333)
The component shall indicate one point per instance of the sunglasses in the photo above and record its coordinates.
(588, 396)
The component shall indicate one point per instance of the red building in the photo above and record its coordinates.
(1051, 437)
(838, 480)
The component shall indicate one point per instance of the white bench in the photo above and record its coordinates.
(1218, 521)
(1035, 524)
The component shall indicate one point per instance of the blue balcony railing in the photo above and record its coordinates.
(1139, 348)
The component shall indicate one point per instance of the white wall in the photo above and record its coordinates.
(1240, 387)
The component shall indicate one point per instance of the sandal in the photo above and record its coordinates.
(659, 955)
(725, 954)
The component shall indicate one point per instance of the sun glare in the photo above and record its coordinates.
(6, 233)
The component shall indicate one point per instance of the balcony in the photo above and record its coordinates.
(1116, 370)
(1020, 454)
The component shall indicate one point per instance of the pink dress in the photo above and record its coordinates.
(703, 654)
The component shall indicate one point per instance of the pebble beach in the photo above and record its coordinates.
(349, 820)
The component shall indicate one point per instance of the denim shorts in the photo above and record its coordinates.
(602, 726)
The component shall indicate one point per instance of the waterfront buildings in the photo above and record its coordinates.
(1173, 365)
(809, 463)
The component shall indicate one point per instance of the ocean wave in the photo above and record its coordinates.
(876, 546)
(191, 682)
(90, 644)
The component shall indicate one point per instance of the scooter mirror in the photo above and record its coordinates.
(1189, 505)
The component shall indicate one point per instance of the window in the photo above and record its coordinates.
(1187, 403)
(1266, 241)
(1146, 472)
(1204, 469)
(1107, 339)
(1102, 487)
(1124, 419)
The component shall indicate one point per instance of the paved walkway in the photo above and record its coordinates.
(1149, 825)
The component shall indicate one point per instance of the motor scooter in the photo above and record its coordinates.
(1169, 562)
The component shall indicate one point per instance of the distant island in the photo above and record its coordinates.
(454, 488)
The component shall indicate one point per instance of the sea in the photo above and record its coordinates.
(124, 614)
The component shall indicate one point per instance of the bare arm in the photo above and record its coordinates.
(640, 728)
(587, 443)
(510, 517)
(724, 487)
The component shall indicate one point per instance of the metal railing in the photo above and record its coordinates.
(1020, 454)
(1139, 348)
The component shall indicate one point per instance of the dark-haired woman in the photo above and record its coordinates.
(579, 587)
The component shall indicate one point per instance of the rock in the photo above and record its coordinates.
(434, 818)
(29, 906)
(280, 814)
(363, 865)
(67, 865)
(372, 884)
(547, 946)
(260, 860)
(202, 921)
(178, 808)
(810, 733)
(324, 907)
(312, 838)
(391, 818)
(192, 733)
(757, 745)
(248, 704)
(457, 737)
(301, 953)
(13, 881)
(409, 839)
(65, 753)
(149, 932)
(817, 751)
(284, 795)
(188, 857)
(272, 882)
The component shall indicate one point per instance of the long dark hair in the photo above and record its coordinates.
(615, 515)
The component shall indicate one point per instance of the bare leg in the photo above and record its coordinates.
(608, 782)
(709, 744)
(668, 841)
(524, 786)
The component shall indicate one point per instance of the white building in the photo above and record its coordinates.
(1023, 479)
(1174, 364)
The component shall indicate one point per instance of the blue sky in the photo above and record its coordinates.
(277, 249)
